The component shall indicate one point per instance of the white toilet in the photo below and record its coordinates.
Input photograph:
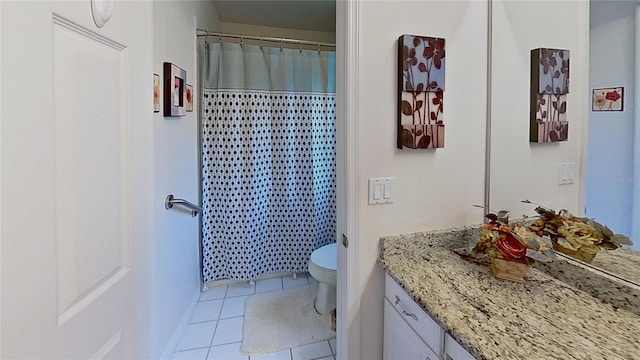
(322, 266)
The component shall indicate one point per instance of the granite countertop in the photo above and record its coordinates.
(545, 318)
(623, 262)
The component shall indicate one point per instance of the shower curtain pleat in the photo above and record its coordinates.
(268, 159)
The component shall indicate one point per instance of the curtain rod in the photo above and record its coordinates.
(205, 33)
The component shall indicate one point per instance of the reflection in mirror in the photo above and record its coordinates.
(609, 164)
(600, 150)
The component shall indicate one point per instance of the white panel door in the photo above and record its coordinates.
(69, 99)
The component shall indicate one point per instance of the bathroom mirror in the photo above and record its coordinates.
(522, 170)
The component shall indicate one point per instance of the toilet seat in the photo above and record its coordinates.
(324, 263)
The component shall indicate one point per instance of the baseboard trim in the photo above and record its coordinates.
(173, 342)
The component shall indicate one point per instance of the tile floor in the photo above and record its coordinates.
(215, 329)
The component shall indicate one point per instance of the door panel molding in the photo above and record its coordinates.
(79, 29)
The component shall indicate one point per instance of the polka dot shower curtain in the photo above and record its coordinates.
(268, 159)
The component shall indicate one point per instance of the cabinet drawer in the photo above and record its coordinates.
(413, 314)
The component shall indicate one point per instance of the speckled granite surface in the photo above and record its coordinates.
(618, 294)
(623, 262)
(543, 319)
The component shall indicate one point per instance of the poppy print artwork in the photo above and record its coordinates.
(156, 93)
(189, 97)
(421, 74)
(549, 89)
(608, 99)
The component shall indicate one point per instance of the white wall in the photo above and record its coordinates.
(173, 268)
(434, 188)
(610, 142)
(245, 29)
(519, 169)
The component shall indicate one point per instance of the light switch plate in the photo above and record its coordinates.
(566, 173)
(380, 191)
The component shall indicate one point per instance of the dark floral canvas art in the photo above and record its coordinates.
(553, 71)
(423, 136)
(423, 63)
(421, 74)
(549, 89)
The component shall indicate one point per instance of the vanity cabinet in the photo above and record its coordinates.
(401, 342)
(410, 333)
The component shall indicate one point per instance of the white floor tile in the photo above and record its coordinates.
(268, 285)
(233, 307)
(327, 358)
(280, 355)
(334, 345)
(215, 292)
(312, 351)
(239, 289)
(198, 354)
(288, 282)
(206, 311)
(228, 331)
(227, 352)
(196, 336)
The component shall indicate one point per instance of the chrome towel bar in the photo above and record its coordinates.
(170, 201)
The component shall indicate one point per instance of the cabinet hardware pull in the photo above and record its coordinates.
(397, 300)
(413, 316)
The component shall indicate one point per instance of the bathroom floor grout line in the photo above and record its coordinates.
(196, 348)
(218, 319)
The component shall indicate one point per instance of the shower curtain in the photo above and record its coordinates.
(268, 159)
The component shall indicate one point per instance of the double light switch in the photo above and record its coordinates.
(566, 173)
(380, 191)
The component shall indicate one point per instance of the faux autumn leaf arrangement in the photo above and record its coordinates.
(510, 247)
(580, 238)
(509, 241)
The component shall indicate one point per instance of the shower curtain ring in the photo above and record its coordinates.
(241, 40)
(219, 38)
(281, 41)
(260, 43)
(318, 48)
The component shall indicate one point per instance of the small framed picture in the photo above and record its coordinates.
(189, 96)
(608, 99)
(175, 82)
(156, 93)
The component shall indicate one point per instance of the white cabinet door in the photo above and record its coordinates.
(400, 341)
(454, 351)
(71, 95)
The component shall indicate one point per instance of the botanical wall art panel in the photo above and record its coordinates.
(422, 107)
(421, 74)
(550, 131)
(549, 89)
(553, 70)
(424, 63)
(551, 108)
(608, 99)
(423, 136)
